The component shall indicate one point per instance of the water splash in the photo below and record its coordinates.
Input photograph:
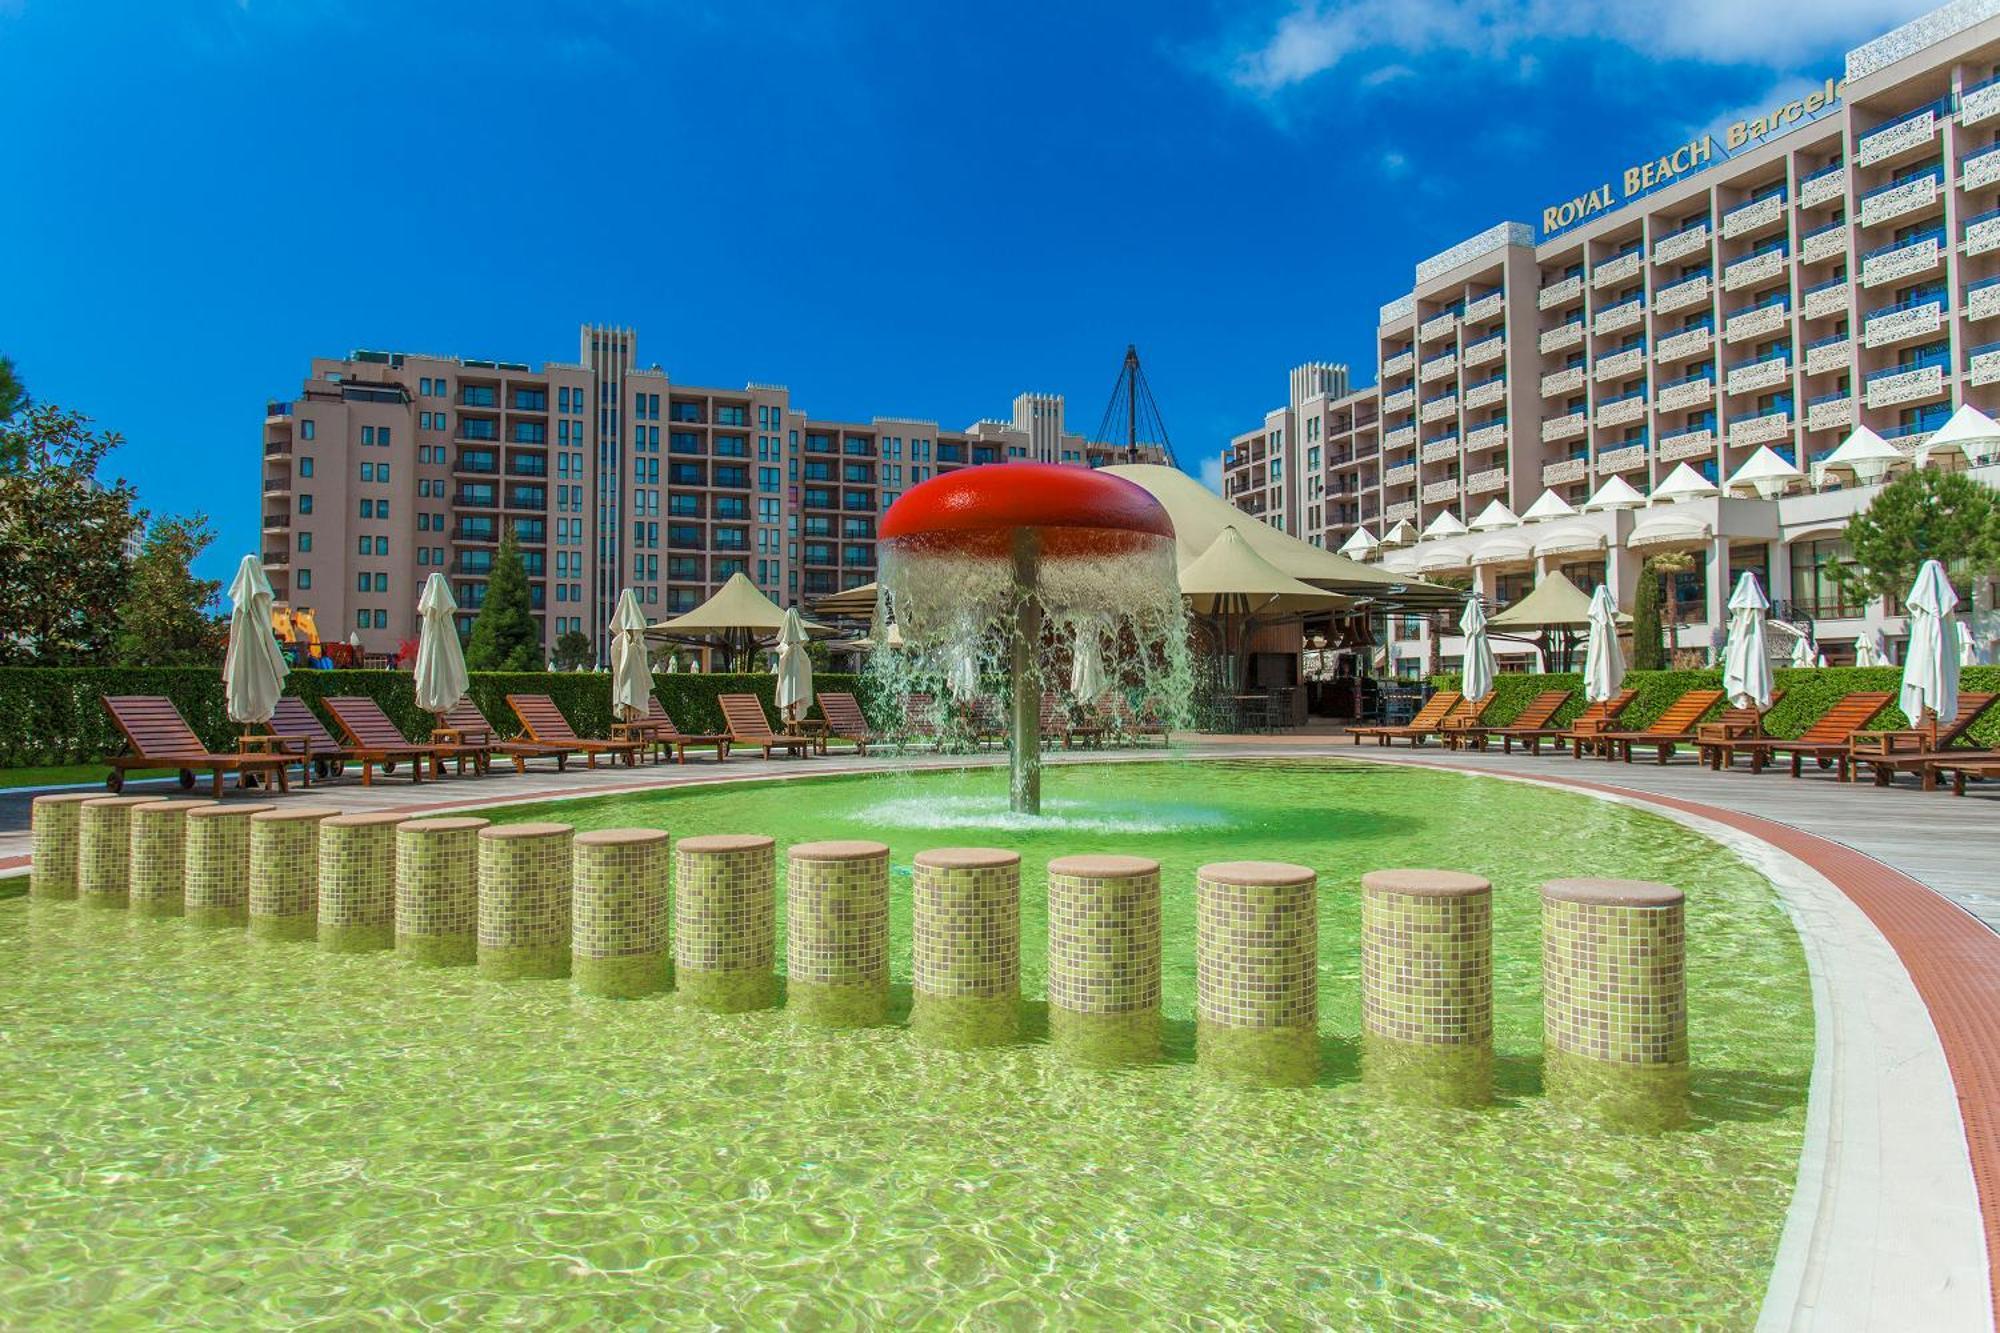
(1070, 816)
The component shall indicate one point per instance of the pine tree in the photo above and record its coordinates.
(1647, 653)
(1927, 515)
(504, 637)
(169, 617)
(574, 650)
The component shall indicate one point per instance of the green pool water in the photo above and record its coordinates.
(201, 1129)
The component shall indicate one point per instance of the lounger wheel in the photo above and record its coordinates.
(388, 766)
(115, 780)
(187, 779)
(322, 769)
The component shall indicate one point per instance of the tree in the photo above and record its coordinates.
(1927, 515)
(1669, 566)
(574, 650)
(13, 400)
(169, 617)
(1647, 654)
(63, 537)
(504, 637)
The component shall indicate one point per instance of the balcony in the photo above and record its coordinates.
(1902, 135)
(1438, 326)
(1486, 391)
(1687, 241)
(1763, 373)
(1557, 293)
(275, 448)
(1398, 511)
(1747, 218)
(1695, 443)
(1824, 186)
(1616, 270)
(1761, 266)
(1980, 169)
(1441, 490)
(1687, 292)
(1833, 412)
(1399, 474)
(1903, 259)
(1490, 436)
(1982, 364)
(1568, 470)
(1401, 437)
(1435, 451)
(1620, 365)
(281, 556)
(277, 522)
(1688, 342)
(1437, 409)
(1438, 367)
(1558, 382)
(1399, 363)
(1829, 354)
(1759, 427)
(1629, 458)
(1618, 317)
(1399, 400)
(1829, 298)
(1900, 323)
(1886, 388)
(1485, 308)
(1824, 243)
(1492, 479)
(1564, 427)
(1696, 390)
(1561, 336)
(1755, 321)
(1982, 232)
(1486, 349)
(1619, 411)
(1904, 197)
(1982, 299)
(278, 485)
(1979, 101)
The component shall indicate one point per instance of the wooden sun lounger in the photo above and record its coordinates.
(659, 730)
(544, 722)
(1597, 718)
(466, 725)
(1055, 722)
(296, 732)
(374, 740)
(157, 736)
(845, 720)
(1427, 720)
(1826, 740)
(743, 714)
(1530, 724)
(1717, 742)
(1962, 765)
(1671, 728)
(1457, 728)
(985, 722)
(1912, 749)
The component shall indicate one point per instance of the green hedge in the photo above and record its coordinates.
(53, 715)
(1807, 694)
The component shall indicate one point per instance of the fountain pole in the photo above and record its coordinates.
(1025, 779)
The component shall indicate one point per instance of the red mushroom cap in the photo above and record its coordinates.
(974, 505)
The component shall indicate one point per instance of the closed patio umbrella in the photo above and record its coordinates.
(631, 667)
(1968, 646)
(253, 670)
(1868, 650)
(962, 678)
(1086, 676)
(795, 668)
(1806, 653)
(1480, 668)
(440, 669)
(1603, 659)
(1931, 661)
(1746, 660)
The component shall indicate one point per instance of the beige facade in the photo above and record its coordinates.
(389, 466)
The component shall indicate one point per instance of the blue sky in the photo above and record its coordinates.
(905, 209)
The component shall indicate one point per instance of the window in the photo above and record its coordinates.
(367, 509)
(382, 436)
(381, 546)
(367, 472)
(381, 620)
(305, 504)
(305, 542)
(368, 435)
(305, 428)
(305, 579)
(362, 619)
(1814, 592)
(362, 582)
(305, 467)
(364, 546)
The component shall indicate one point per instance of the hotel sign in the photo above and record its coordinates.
(1689, 157)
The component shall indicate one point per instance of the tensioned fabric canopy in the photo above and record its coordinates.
(1666, 528)
(1503, 550)
(1232, 578)
(737, 606)
(1556, 603)
(853, 604)
(1570, 538)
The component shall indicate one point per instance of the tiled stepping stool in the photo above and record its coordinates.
(1257, 971)
(215, 872)
(284, 871)
(966, 950)
(618, 912)
(837, 933)
(104, 850)
(524, 901)
(158, 856)
(56, 820)
(357, 882)
(1104, 958)
(437, 891)
(1427, 985)
(726, 921)
(1614, 1000)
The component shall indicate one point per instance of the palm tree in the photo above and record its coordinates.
(1670, 565)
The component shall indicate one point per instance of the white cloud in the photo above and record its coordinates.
(1394, 164)
(1211, 472)
(1315, 36)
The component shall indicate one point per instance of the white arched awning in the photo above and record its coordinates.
(1573, 538)
(1503, 550)
(1444, 558)
(1667, 528)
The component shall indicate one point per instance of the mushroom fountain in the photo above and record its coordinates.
(1009, 571)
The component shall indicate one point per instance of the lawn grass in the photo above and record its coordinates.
(58, 775)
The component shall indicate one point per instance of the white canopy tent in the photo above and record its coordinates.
(1765, 472)
(1862, 459)
(1683, 484)
(1615, 493)
(1495, 515)
(1548, 506)
(1970, 435)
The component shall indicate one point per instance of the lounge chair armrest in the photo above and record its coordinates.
(274, 744)
(1891, 742)
(1709, 732)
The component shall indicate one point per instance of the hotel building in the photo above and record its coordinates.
(1833, 263)
(390, 466)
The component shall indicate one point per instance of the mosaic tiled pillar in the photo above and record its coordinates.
(158, 856)
(56, 820)
(357, 882)
(1257, 971)
(1427, 985)
(524, 901)
(966, 902)
(837, 933)
(284, 871)
(618, 912)
(726, 921)
(1104, 958)
(104, 850)
(215, 876)
(437, 891)
(1614, 999)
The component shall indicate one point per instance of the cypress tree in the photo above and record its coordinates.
(1647, 652)
(504, 637)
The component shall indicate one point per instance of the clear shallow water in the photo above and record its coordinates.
(197, 1129)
